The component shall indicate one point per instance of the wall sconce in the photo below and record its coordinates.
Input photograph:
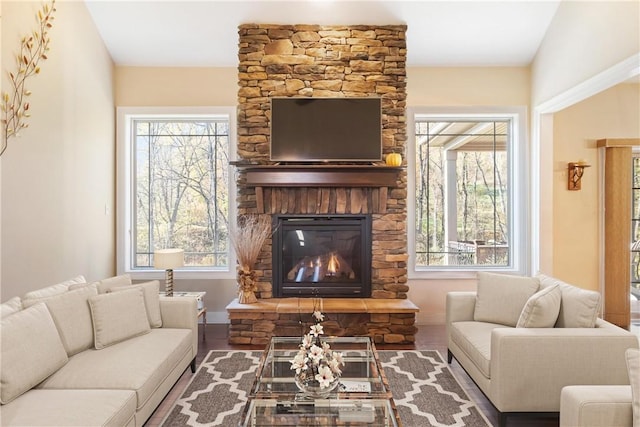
(168, 259)
(576, 170)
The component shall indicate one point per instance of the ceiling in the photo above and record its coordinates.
(203, 33)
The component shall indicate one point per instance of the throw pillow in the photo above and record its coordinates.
(541, 309)
(14, 305)
(54, 289)
(633, 366)
(31, 351)
(151, 300)
(105, 284)
(118, 316)
(501, 297)
(579, 307)
(72, 317)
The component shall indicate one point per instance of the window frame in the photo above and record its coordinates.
(125, 188)
(519, 196)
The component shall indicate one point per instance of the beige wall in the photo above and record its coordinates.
(614, 113)
(190, 87)
(183, 87)
(57, 184)
(494, 86)
(471, 86)
(459, 87)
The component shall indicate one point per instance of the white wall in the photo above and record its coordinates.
(589, 47)
(57, 187)
(584, 39)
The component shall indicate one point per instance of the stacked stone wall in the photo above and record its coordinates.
(327, 61)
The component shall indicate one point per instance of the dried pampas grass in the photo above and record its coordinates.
(248, 237)
(247, 240)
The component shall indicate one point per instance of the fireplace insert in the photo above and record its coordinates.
(322, 255)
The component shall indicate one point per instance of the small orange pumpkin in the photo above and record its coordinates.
(394, 159)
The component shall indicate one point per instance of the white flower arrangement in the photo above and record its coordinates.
(315, 361)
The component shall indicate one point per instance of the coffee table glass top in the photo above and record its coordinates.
(360, 374)
(361, 398)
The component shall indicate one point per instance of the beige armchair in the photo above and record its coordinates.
(523, 369)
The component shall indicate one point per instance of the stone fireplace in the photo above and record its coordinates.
(324, 61)
(322, 256)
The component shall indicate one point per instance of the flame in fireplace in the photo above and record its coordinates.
(333, 266)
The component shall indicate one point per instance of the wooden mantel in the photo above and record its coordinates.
(320, 175)
(380, 177)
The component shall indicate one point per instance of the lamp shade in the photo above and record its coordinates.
(168, 259)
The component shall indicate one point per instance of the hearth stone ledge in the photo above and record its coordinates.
(389, 321)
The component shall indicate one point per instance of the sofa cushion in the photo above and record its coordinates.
(579, 307)
(474, 339)
(541, 309)
(105, 284)
(13, 305)
(71, 314)
(54, 289)
(75, 286)
(633, 366)
(118, 316)
(151, 300)
(501, 297)
(31, 351)
(147, 360)
(107, 408)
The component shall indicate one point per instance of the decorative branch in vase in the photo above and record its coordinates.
(33, 49)
(247, 240)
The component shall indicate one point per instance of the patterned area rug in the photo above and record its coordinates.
(424, 390)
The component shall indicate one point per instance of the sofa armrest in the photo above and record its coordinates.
(460, 306)
(181, 313)
(596, 406)
(538, 363)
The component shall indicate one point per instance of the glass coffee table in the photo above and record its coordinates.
(362, 398)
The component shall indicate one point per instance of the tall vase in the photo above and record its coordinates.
(246, 286)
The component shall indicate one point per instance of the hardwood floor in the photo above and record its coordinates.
(427, 338)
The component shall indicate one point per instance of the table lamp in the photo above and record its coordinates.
(168, 259)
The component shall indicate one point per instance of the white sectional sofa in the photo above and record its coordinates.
(100, 354)
(522, 339)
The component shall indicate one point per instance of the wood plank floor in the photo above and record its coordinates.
(427, 338)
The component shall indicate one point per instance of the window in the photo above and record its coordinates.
(179, 189)
(464, 184)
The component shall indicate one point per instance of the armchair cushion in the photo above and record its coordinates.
(633, 366)
(579, 307)
(541, 309)
(502, 297)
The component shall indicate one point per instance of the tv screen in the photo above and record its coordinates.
(326, 129)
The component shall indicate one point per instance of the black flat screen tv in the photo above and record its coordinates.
(326, 130)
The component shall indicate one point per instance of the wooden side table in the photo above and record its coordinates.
(200, 307)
